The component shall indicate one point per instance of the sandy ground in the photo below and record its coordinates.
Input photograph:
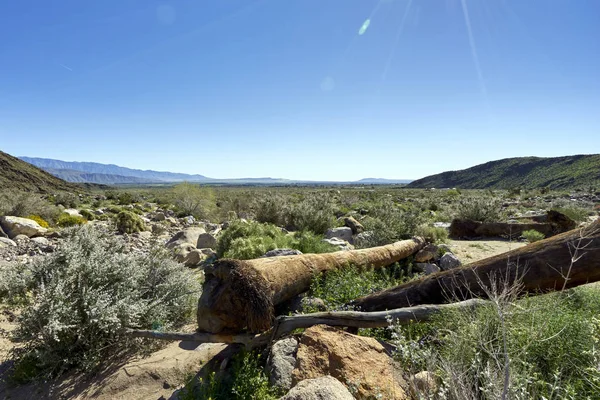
(158, 376)
(469, 251)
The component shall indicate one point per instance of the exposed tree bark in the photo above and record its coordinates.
(242, 294)
(563, 261)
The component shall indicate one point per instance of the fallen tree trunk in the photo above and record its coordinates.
(286, 324)
(242, 294)
(563, 261)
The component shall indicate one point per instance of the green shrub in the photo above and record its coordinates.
(128, 222)
(245, 380)
(270, 209)
(314, 213)
(22, 204)
(433, 234)
(483, 209)
(87, 214)
(83, 297)
(388, 223)
(41, 221)
(532, 235)
(247, 248)
(239, 230)
(69, 200)
(308, 242)
(66, 220)
(114, 209)
(193, 199)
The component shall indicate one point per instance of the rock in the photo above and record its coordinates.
(343, 233)
(14, 226)
(427, 268)
(281, 362)
(322, 388)
(282, 252)
(159, 216)
(188, 254)
(158, 229)
(99, 212)
(359, 362)
(6, 242)
(189, 220)
(188, 235)
(303, 303)
(427, 253)
(363, 239)
(449, 261)
(206, 241)
(441, 225)
(341, 243)
(444, 248)
(145, 235)
(42, 241)
(72, 212)
(353, 224)
(21, 237)
(424, 384)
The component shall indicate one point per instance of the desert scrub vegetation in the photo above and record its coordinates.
(540, 347)
(479, 208)
(128, 222)
(388, 222)
(40, 221)
(79, 301)
(23, 204)
(313, 213)
(244, 240)
(66, 220)
(532, 235)
(246, 380)
(192, 199)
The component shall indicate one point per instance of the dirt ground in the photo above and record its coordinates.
(158, 376)
(469, 251)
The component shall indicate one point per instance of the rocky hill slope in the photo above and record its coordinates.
(17, 174)
(524, 172)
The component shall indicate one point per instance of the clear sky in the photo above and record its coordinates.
(299, 89)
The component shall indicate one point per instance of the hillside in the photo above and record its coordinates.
(111, 169)
(526, 172)
(17, 174)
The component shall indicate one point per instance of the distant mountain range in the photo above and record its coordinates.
(110, 174)
(524, 172)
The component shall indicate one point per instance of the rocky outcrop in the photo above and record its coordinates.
(188, 235)
(449, 261)
(359, 362)
(206, 241)
(427, 253)
(322, 388)
(14, 226)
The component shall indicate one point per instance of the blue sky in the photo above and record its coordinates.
(290, 88)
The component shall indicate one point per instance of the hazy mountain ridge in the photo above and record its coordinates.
(110, 174)
(525, 172)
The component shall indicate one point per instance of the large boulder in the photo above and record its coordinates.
(14, 226)
(353, 224)
(281, 362)
(449, 261)
(343, 233)
(359, 362)
(4, 242)
(189, 255)
(426, 268)
(206, 241)
(321, 388)
(339, 243)
(188, 235)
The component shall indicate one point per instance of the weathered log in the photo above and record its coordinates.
(286, 324)
(563, 261)
(358, 319)
(242, 294)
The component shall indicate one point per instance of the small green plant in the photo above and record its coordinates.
(314, 213)
(433, 234)
(41, 221)
(87, 214)
(66, 220)
(533, 236)
(245, 380)
(482, 209)
(128, 222)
